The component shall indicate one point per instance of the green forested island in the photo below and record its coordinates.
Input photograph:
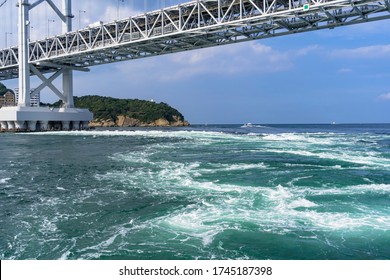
(109, 111)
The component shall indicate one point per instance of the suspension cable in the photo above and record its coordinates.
(1, 5)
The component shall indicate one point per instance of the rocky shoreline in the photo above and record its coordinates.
(125, 121)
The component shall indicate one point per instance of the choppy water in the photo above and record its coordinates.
(204, 192)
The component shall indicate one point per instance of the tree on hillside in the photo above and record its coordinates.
(109, 108)
(3, 89)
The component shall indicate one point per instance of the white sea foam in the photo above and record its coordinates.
(301, 202)
(65, 255)
(194, 222)
(48, 226)
(238, 166)
(285, 199)
(351, 190)
(144, 133)
(299, 138)
(4, 180)
(353, 157)
(314, 166)
(291, 183)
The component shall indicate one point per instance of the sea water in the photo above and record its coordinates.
(201, 192)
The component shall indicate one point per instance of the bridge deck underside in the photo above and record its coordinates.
(192, 25)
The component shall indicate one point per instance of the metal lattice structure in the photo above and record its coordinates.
(188, 26)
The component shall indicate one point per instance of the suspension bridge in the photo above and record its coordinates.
(187, 26)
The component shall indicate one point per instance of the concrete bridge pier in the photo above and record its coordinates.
(32, 125)
(11, 125)
(65, 125)
(27, 118)
(84, 125)
(20, 125)
(4, 126)
(75, 125)
(44, 125)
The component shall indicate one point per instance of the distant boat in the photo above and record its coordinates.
(248, 125)
(333, 122)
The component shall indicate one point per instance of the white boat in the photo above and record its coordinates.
(247, 125)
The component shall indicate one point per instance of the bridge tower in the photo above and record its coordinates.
(25, 117)
(67, 76)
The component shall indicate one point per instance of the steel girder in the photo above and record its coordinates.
(188, 26)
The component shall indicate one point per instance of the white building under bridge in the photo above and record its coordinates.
(35, 97)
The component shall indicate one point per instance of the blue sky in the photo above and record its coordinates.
(340, 75)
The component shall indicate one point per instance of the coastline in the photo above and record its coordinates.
(126, 121)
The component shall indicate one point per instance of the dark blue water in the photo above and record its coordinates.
(203, 192)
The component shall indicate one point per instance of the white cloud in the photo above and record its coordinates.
(226, 60)
(112, 13)
(241, 58)
(385, 96)
(307, 50)
(375, 51)
(344, 70)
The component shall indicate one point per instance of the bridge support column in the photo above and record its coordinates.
(23, 53)
(67, 84)
(67, 76)
(20, 125)
(11, 125)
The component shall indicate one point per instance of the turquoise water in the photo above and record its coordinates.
(203, 192)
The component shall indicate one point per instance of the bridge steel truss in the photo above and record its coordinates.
(188, 26)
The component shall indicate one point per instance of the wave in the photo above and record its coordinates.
(145, 133)
(287, 143)
(216, 207)
(248, 125)
(363, 158)
(306, 141)
(284, 213)
(236, 166)
(300, 138)
(189, 134)
(352, 190)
